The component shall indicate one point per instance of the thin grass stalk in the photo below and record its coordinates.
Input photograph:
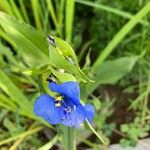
(26, 133)
(16, 10)
(50, 144)
(69, 17)
(120, 35)
(52, 12)
(5, 5)
(24, 12)
(7, 38)
(61, 17)
(109, 9)
(84, 48)
(35, 8)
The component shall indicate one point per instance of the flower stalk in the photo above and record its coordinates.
(68, 137)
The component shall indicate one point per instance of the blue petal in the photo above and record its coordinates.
(44, 107)
(67, 103)
(89, 112)
(69, 89)
(74, 118)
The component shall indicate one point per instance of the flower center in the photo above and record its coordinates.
(68, 109)
(58, 101)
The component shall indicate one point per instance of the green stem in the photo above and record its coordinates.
(40, 84)
(68, 137)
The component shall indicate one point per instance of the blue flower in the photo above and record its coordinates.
(65, 108)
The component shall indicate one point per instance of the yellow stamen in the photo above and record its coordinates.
(59, 98)
(57, 104)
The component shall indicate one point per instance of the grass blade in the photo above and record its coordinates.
(50, 144)
(10, 89)
(27, 133)
(52, 12)
(110, 10)
(61, 18)
(5, 5)
(7, 38)
(70, 5)
(120, 35)
(35, 8)
(16, 10)
(7, 101)
(24, 12)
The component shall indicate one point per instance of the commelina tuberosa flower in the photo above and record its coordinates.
(65, 108)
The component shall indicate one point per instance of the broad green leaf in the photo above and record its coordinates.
(59, 60)
(31, 44)
(110, 72)
(66, 49)
(63, 57)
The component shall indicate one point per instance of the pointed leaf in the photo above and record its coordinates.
(31, 44)
(110, 72)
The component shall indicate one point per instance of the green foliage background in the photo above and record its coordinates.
(110, 43)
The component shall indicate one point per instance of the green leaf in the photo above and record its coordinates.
(59, 57)
(120, 35)
(15, 94)
(110, 72)
(70, 5)
(133, 133)
(66, 49)
(7, 101)
(63, 77)
(124, 128)
(36, 11)
(52, 12)
(31, 44)
(8, 53)
(109, 9)
(50, 144)
(23, 134)
(68, 52)
(34, 71)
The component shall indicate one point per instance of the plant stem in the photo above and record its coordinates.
(68, 137)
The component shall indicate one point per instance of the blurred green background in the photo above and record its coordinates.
(112, 42)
